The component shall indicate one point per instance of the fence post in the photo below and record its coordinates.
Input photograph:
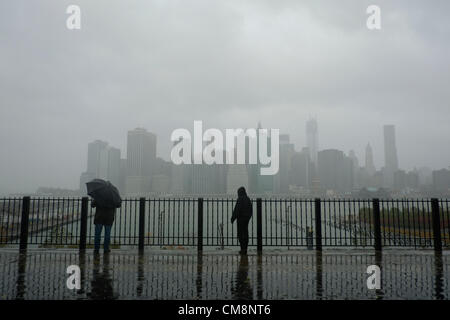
(200, 225)
(318, 210)
(83, 223)
(141, 224)
(376, 223)
(436, 224)
(24, 224)
(259, 226)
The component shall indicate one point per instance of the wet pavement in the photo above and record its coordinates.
(182, 274)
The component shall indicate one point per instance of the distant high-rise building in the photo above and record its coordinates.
(177, 181)
(97, 159)
(425, 176)
(264, 183)
(355, 164)
(113, 167)
(354, 158)
(399, 180)
(390, 156)
(201, 179)
(369, 166)
(312, 140)
(141, 161)
(441, 182)
(335, 171)
(281, 179)
(103, 162)
(300, 172)
(237, 177)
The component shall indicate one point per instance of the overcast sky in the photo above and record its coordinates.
(163, 64)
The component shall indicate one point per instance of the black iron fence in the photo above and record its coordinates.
(188, 222)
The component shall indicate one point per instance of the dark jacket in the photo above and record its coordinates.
(243, 207)
(103, 215)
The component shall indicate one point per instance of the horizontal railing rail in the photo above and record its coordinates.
(182, 223)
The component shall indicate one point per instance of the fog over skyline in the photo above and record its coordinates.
(161, 65)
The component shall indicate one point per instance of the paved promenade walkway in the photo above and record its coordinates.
(223, 274)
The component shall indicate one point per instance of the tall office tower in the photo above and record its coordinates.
(97, 159)
(103, 162)
(335, 171)
(390, 156)
(281, 179)
(312, 140)
(122, 175)
(370, 166)
(113, 168)
(219, 175)
(441, 183)
(202, 183)
(141, 161)
(355, 165)
(177, 181)
(352, 155)
(208, 178)
(300, 171)
(237, 177)
(264, 183)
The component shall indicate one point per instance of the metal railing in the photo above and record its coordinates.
(189, 222)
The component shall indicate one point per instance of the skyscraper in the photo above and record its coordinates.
(141, 160)
(97, 160)
(335, 171)
(264, 183)
(103, 162)
(369, 166)
(390, 156)
(237, 176)
(312, 140)
(113, 168)
(177, 181)
(286, 151)
(300, 171)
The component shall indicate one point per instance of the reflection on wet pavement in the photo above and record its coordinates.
(289, 275)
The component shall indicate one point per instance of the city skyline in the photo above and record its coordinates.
(334, 173)
(164, 66)
(388, 154)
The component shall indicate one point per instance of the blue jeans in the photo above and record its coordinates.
(98, 233)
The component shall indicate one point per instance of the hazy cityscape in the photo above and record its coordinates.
(305, 171)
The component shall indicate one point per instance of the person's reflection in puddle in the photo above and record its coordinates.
(101, 284)
(242, 287)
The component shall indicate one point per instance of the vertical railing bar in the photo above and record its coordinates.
(83, 223)
(200, 225)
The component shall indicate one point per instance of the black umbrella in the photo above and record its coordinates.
(104, 193)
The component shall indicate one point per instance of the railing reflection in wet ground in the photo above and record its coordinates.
(304, 275)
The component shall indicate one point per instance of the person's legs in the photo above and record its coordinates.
(239, 232)
(243, 234)
(98, 233)
(107, 238)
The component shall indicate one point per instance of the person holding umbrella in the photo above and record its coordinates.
(106, 199)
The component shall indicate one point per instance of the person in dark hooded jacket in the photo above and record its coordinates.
(242, 212)
(104, 217)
